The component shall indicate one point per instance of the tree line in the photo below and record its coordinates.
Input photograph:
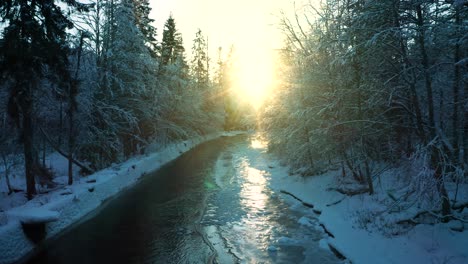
(367, 82)
(92, 82)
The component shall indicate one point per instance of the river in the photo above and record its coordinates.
(211, 205)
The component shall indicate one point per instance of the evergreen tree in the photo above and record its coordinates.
(219, 74)
(142, 11)
(199, 66)
(34, 46)
(126, 95)
(172, 45)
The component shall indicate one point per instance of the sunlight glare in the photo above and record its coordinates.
(255, 77)
(253, 187)
(258, 143)
(255, 37)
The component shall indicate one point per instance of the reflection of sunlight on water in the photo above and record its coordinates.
(254, 200)
(254, 176)
(253, 187)
(258, 142)
(253, 218)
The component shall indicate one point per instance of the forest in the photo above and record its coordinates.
(367, 83)
(361, 83)
(362, 125)
(92, 82)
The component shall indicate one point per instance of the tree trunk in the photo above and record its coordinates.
(43, 152)
(408, 67)
(7, 172)
(7, 178)
(457, 136)
(70, 146)
(72, 91)
(28, 143)
(343, 170)
(60, 124)
(369, 177)
(427, 76)
(435, 155)
(445, 202)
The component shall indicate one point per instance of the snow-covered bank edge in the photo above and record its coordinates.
(355, 228)
(67, 205)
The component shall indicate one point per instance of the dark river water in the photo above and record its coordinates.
(211, 205)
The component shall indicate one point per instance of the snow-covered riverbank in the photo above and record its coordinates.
(363, 229)
(379, 228)
(68, 204)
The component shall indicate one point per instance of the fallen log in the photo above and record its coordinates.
(297, 198)
(17, 190)
(413, 220)
(337, 253)
(327, 231)
(85, 168)
(335, 203)
(460, 206)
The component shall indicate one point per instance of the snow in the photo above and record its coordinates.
(305, 221)
(69, 204)
(287, 241)
(33, 215)
(272, 249)
(363, 231)
(323, 244)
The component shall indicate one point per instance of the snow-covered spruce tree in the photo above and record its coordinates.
(181, 104)
(34, 40)
(200, 72)
(219, 71)
(142, 10)
(172, 48)
(200, 61)
(132, 76)
(174, 80)
(125, 99)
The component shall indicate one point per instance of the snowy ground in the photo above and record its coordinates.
(364, 228)
(67, 204)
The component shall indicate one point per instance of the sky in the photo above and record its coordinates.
(252, 26)
(248, 24)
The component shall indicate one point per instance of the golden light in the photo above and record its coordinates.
(258, 142)
(251, 27)
(254, 77)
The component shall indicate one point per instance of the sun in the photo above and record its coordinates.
(255, 77)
